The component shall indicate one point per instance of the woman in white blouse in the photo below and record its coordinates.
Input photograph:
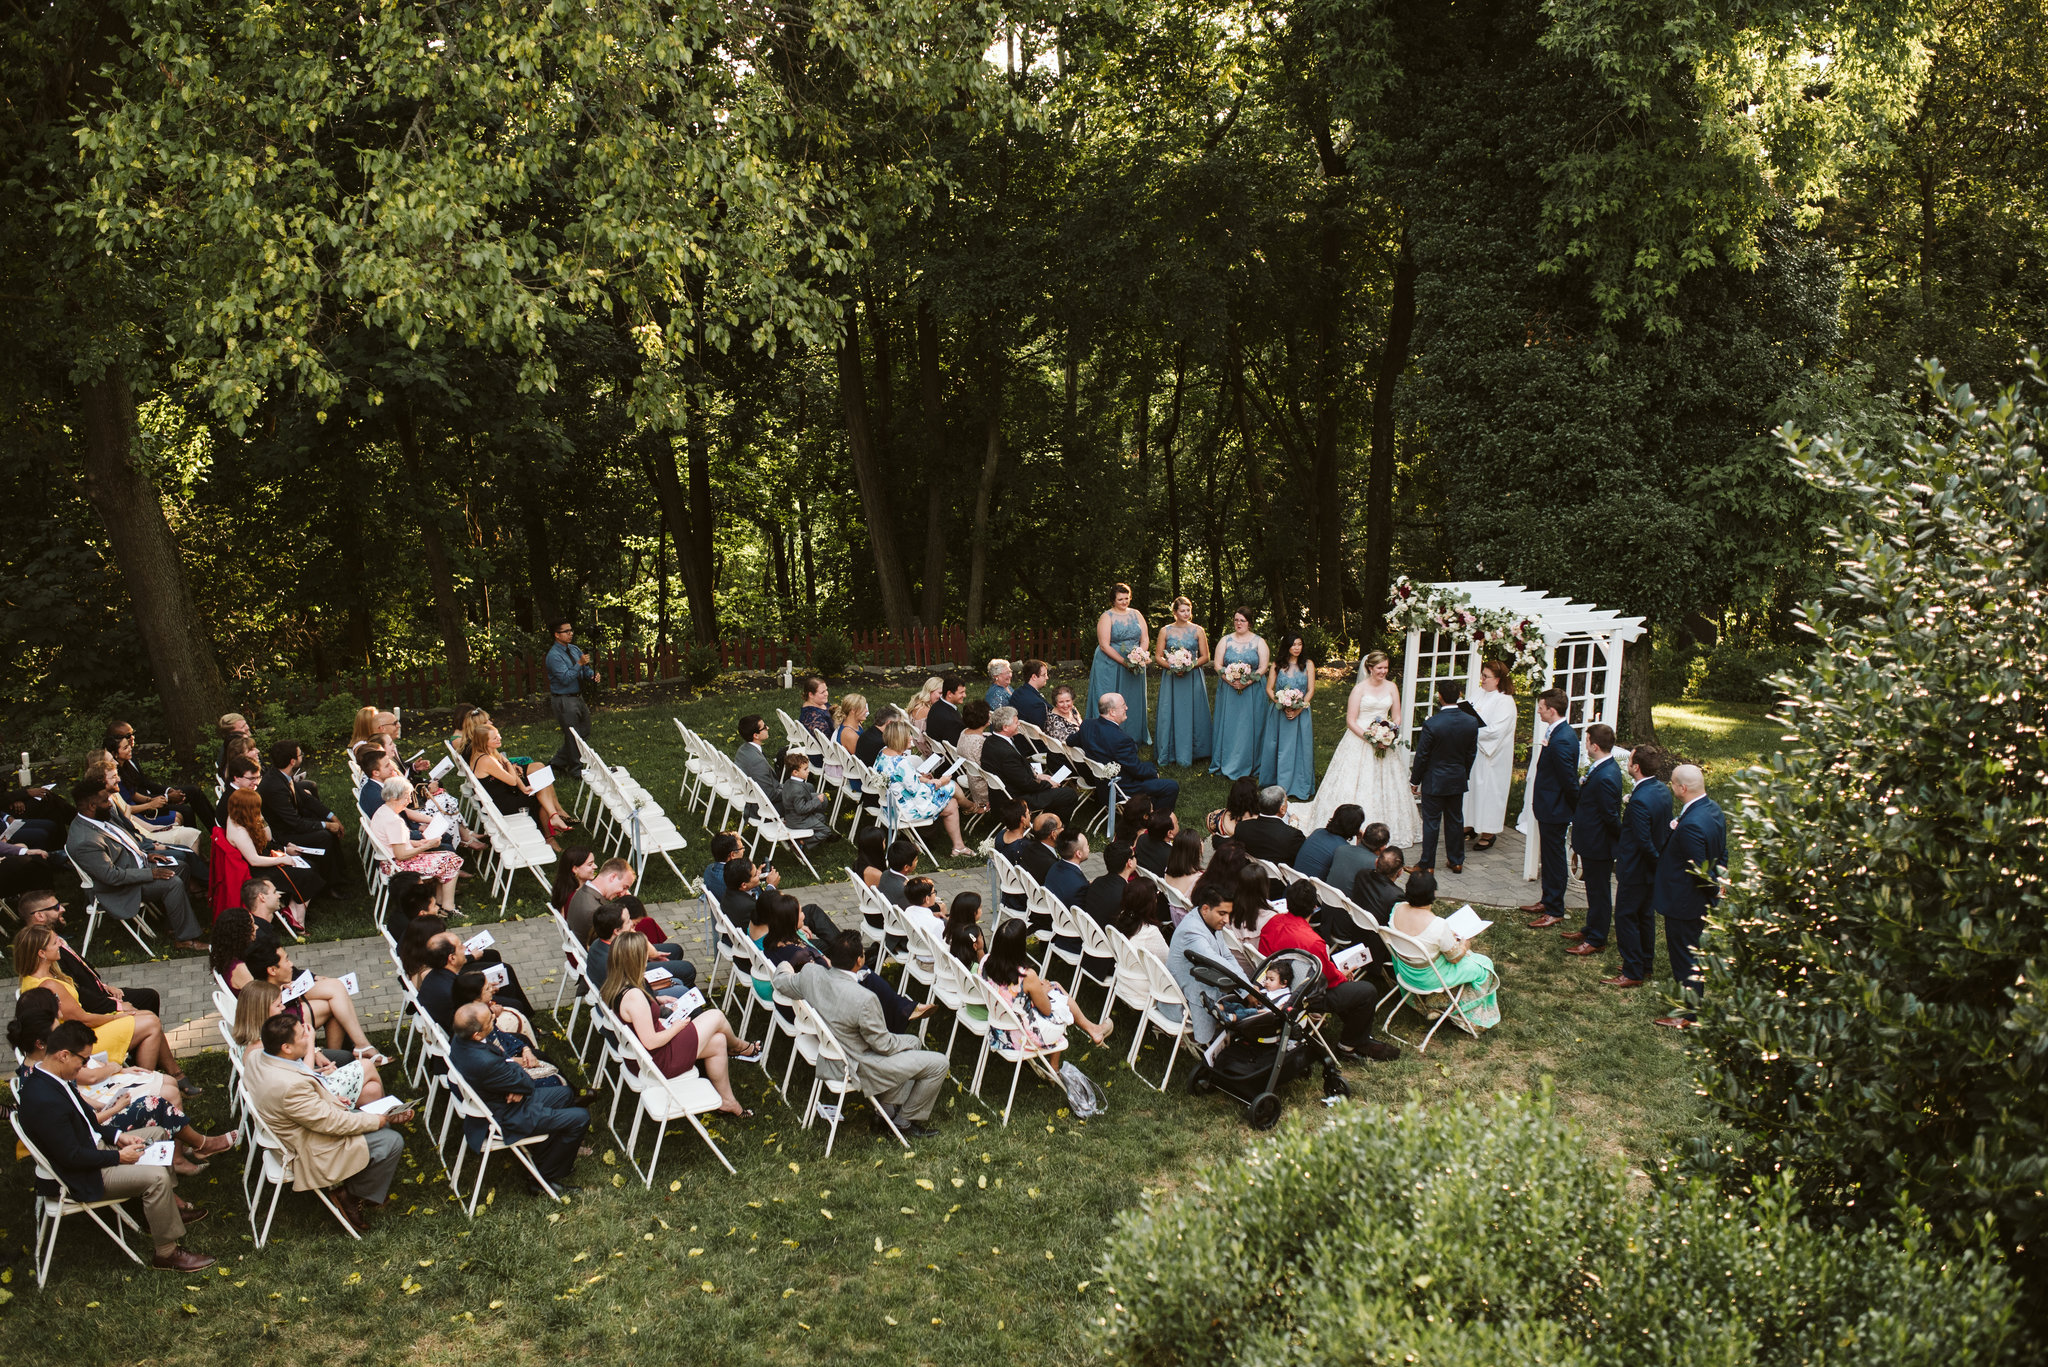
(1449, 960)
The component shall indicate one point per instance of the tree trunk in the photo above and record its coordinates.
(349, 539)
(1379, 484)
(874, 488)
(660, 583)
(440, 569)
(703, 523)
(1147, 541)
(540, 560)
(934, 605)
(1638, 723)
(1168, 443)
(660, 455)
(175, 635)
(977, 571)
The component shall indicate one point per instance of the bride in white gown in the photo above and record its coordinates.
(1358, 773)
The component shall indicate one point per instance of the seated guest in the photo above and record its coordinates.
(943, 721)
(743, 885)
(236, 747)
(1027, 698)
(871, 855)
(1063, 723)
(1240, 804)
(1356, 856)
(445, 956)
(921, 904)
(849, 728)
(1352, 999)
(1103, 740)
(1043, 1006)
(1038, 858)
(1154, 845)
(780, 938)
(121, 1033)
(1144, 921)
(682, 1042)
(1013, 828)
(801, 807)
(902, 1077)
(1201, 935)
(124, 875)
(353, 1156)
(917, 798)
(902, 863)
(998, 694)
(87, 1164)
(1267, 836)
(816, 712)
(187, 806)
(868, 745)
(1320, 848)
(1104, 898)
(326, 1005)
(94, 992)
(725, 847)
(350, 1074)
(1226, 862)
(1472, 980)
(1066, 879)
(612, 885)
(1256, 900)
(751, 759)
(295, 813)
(974, 721)
(964, 939)
(44, 816)
(1378, 889)
(424, 857)
(1184, 864)
(25, 867)
(1002, 756)
(506, 784)
(521, 1106)
(511, 1034)
(249, 834)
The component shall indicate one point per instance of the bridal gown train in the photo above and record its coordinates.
(1378, 783)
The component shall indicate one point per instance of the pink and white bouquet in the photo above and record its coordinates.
(1381, 735)
(1238, 675)
(1137, 657)
(1180, 659)
(1290, 699)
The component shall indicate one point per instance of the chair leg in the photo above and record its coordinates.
(1015, 1078)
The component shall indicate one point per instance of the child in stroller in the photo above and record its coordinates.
(1265, 1030)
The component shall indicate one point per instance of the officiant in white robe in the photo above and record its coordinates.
(1493, 770)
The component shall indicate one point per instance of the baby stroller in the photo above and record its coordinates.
(1270, 1046)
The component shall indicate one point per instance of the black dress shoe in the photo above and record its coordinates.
(918, 1129)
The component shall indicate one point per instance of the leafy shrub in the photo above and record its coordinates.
(480, 693)
(990, 643)
(1739, 671)
(1873, 1016)
(701, 664)
(832, 653)
(326, 724)
(1318, 644)
(1469, 1236)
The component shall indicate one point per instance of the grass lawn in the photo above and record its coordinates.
(982, 1242)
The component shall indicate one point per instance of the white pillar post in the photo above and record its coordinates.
(1409, 664)
(1612, 710)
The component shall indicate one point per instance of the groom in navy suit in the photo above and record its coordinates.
(1556, 802)
(1441, 772)
(1689, 882)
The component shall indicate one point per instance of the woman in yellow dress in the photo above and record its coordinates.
(118, 1033)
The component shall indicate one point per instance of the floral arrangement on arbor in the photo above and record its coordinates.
(1499, 633)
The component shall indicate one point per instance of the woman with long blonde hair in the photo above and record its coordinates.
(682, 1041)
(506, 782)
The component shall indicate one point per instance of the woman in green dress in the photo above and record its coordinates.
(1474, 985)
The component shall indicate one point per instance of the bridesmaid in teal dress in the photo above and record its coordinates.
(1183, 698)
(1241, 713)
(1288, 757)
(1118, 632)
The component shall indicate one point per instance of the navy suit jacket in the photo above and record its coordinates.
(495, 1077)
(1557, 775)
(1030, 705)
(437, 997)
(1645, 829)
(1444, 754)
(1597, 825)
(1104, 742)
(1699, 839)
(943, 722)
(59, 1129)
(1066, 881)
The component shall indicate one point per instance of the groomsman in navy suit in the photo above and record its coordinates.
(1689, 882)
(1595, 829)
(1645, 830)
(1556, 801)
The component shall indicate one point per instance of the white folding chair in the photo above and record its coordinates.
(467, 1106)
(1454, 1009)
(657, 1098)
(833, 1070)
(1167, 998)
(1021, 1050)
(51, 1210)
(274, 1171)
(768, 824)
(136, 926)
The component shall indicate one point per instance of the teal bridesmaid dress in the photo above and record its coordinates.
(1183, 703)
(1289, 755)
(1107, 676)
(1239, 732)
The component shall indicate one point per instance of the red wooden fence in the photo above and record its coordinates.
(522, 675)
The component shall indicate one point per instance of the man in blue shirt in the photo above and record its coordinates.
(567, 668)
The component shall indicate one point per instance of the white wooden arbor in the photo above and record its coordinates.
(1584, 644)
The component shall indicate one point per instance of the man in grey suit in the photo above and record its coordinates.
(895, 1072)
(753, 760)
(123, 876)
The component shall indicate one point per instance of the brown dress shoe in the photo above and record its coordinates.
(1456, 868)
(1533, 906)
(1545, 922)
(1676, 1022)
(1621, 980)
(1582, 948)
(1421, 868)
(351, 1209)
(178, 1260)
(1571, 935)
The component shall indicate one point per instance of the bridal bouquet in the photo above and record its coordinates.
(1290, 700)
(1180, 660)
(1238, 675)
(1381, 735)
(1137, 657)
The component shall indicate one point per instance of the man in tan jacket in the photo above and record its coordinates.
(330, 1145)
